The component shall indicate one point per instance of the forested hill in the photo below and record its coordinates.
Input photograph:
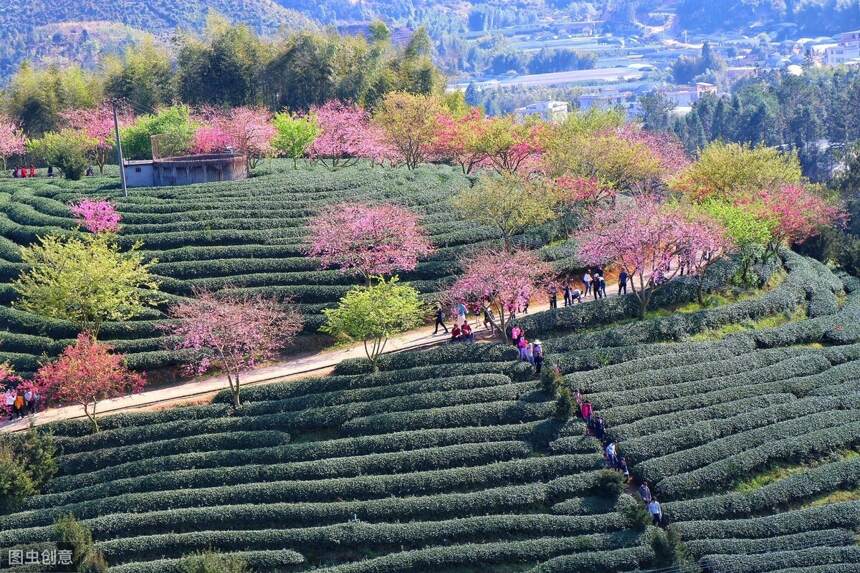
(18, 16)
(28, 28)
(804, 17)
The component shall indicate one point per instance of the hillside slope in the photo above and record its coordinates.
(27, 27)
(457, 460)
(247, 234)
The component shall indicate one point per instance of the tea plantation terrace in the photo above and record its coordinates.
(246, 234)
(458, 459)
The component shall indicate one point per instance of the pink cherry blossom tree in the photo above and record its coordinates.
(345, 136)
(211, 139)
(12, 140)
(97, 123)
(711, 245)
(646, 240)
(502, 282)
(85, 373)
(251, 132)
(797, 211)
(232, 332)
(96, 215)
(459, 139)
(373, 240)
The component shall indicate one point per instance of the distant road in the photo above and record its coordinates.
(561, 78)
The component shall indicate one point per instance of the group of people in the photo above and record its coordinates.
(531, 352)
(596, 426)
(21, 172)
(462, 332)
(19, 403)
(594, 282)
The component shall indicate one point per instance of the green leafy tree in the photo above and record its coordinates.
(294, 135)
(69, 150)
(84, 279)
(15, 483)
(173, 126)
(734, 169)
(86, 557)
(506, 203)
(375, 313)
(143, 77)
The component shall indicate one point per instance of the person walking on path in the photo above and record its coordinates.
(9, 402)
(489, 320)
(440, 321)
(553, 298)
(611, 457)
(656, 511)
(602, 286)
(538, 356)
(516, 334)
(567, 293)
(19, 405)
(645, 492)
(461, 313)
(622, 283)
(522, 345)
(586, 279)
(585, 411)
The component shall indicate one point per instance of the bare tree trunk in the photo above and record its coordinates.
(92, 417)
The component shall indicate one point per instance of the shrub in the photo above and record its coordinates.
(212, 562)
(85, 556)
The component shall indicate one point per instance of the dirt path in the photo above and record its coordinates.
(201, 390)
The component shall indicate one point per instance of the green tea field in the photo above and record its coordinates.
(248, 235)
(744, 417)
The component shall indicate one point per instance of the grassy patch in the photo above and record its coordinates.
(835, 497)
(767, 322)
(780, 472)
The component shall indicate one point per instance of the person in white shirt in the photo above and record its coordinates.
(586, 279)
(656, 511)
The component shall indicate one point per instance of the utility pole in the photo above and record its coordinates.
(119, 150)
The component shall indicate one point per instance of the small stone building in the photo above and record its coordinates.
(186, 170)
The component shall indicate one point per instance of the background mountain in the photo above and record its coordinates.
(29, 28)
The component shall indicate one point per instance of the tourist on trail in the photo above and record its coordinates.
(595, 285)
(585, 411)
(602, 286)
(523, 346)
(19, 405)
(488, 320)
(576, 296)
(90, 171)
(567, 293)
(656, 511)
(577, 397)
(586, 279)
(461, 312)
(466, 333)
(516, 334)
(553, 298)
(32, 171)
(538, 356)
(599, 427)
(440, 320)
(645, 492)
(611, 454)
(33, 404)
(9, 402)
(530, 353)
(622, 465)
(622, 282)
(28, 400)
(456, 333)
(50, 170)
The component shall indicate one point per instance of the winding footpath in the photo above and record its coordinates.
(303, 366)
